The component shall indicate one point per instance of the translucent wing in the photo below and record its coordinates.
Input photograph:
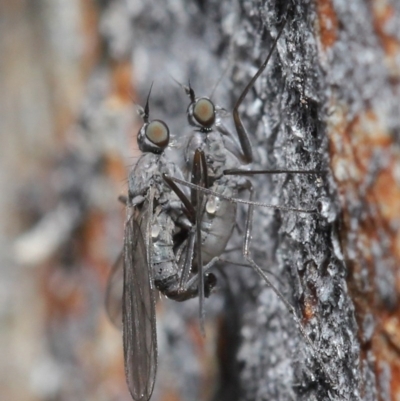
(138, 306)
(115, 287)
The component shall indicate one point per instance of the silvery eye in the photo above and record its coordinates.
(204, 112)
(157, 132)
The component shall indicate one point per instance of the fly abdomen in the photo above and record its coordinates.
(218, 221)
(163, 258)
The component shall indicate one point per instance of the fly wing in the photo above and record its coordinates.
(115, 287)
(138, 306)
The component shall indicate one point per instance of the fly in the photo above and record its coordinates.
(223, 162)
(159, 241)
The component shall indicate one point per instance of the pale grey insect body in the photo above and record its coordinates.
(153, 257)
(219, 217)
(148, 173)
(168, 260)
(218, 222)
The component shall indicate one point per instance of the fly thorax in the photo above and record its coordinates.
(164, 198)
(227, 185)
(216, 147)
(218, 158)
(217, 152)
(196, 141)
(143, 174)
(240, 181)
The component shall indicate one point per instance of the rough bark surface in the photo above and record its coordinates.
(328, 101)
(263, 356)
(328, 59)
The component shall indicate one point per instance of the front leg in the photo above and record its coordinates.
(240, 129)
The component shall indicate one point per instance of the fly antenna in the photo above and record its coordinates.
(177, 82)
(131, 95)
(188, 89)
(139, 108)
(191, 94)
(219, 80)
(146, 107)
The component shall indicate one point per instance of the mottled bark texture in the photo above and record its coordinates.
(326, 100)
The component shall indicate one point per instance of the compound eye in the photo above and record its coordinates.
(157, 132)
(204, 112)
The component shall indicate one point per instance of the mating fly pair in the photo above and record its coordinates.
(173, 237)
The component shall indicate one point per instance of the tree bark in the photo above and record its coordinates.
(327, 101)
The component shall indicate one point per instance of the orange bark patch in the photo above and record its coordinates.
(94, 248)
(370, 198)
(63, 294)
(391, 329)
(170, 395)
(122, 83)
(115, 168)
(90, 24)
(396, 250)
(308, 309)
(328, 23)
(389, 351)
(395, 382)
(387, 193)
(382, 13)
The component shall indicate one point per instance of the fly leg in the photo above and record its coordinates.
(199, 177)
(193, 208)
(240, 129)
(261, 272)
(239, 171)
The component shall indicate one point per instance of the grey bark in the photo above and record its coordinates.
(263, 356)
(256, 349)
